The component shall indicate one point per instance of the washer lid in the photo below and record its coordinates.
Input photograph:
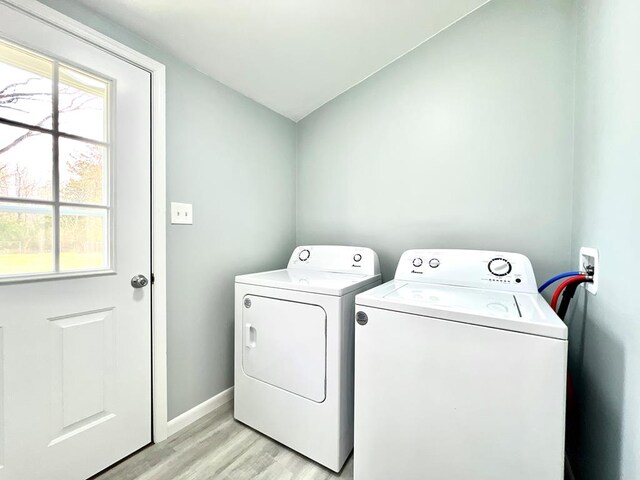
(312, 281)
(517, 312)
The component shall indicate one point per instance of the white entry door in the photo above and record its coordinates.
(75, 335)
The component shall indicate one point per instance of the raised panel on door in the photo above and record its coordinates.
(83, 372)
(284, 345)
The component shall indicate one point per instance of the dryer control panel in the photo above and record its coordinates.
(335, 258)
(504, 271)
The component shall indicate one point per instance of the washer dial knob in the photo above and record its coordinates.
(304, 255)
(500, 267)
(417, 262)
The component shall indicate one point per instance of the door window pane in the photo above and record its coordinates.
(26, 163)
(83, 172)
(25, 86)
(83, 104)
(55, 213)
(83, 239)
(26, 239)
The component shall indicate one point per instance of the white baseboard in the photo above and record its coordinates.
(199, 411)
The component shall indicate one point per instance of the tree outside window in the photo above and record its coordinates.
(54, 166)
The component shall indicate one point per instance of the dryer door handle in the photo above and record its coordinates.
(250, 336)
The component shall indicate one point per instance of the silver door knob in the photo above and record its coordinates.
(139, 281)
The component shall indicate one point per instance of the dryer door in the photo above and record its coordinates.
(284, 345)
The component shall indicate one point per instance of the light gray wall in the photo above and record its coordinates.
(235, 161)
(605, 330)
(464, 143)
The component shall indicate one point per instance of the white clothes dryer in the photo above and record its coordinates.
(294, 348)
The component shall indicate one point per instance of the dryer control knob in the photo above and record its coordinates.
(500, 267)
(357, 257)
(304, 255)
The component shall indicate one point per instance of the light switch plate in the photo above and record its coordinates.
(181, 213)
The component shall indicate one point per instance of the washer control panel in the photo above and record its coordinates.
(335, 258)
(469, 268)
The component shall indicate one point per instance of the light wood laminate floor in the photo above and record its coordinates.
(218, 447)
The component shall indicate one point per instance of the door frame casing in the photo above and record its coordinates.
(158, 189)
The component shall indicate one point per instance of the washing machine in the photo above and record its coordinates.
(461, 371)
(294, 349)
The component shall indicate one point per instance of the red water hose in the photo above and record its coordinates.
(571, 399)
(563, 285)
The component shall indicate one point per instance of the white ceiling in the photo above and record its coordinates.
(291, 55)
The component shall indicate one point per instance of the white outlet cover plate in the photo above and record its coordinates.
(181, 213)
(590, 255)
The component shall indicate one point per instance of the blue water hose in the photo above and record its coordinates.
(556, 278)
